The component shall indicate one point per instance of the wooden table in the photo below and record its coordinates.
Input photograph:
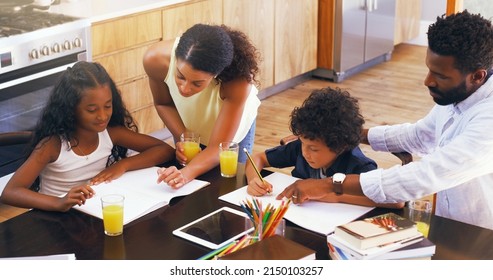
(38, 233)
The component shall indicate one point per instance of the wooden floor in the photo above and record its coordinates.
(391, 92)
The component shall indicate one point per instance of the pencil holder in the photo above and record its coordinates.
(266, 222)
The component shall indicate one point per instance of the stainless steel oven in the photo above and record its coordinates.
(31, 61)
(35, 47)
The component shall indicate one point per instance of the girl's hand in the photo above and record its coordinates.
(114, 171)
(258, 188)
(76, 196)
(171, 176)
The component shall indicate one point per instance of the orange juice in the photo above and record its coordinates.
(423, 227)
(113, 219)
(228, 161)
(190, 149)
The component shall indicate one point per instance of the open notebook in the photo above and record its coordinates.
(316, 216)
(142, 194)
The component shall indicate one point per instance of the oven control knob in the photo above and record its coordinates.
(77, 42)
(45, 50)
(67, 45)
(56, 48)
(34, 54)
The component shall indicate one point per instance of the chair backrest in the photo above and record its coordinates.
(15, 138)
(13, 150)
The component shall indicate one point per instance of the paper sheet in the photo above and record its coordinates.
(320, 217)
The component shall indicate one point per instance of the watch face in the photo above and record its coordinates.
(339, 177)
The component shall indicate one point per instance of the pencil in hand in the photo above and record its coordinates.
(254, 166)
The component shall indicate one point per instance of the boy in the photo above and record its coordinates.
(328, 126)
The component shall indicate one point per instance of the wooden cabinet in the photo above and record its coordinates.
(284, 31)
(178, 18)
(407, 20)
(295, 38)
(256, 19)
(119, 45)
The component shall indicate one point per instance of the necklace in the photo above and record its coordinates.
(86, 156)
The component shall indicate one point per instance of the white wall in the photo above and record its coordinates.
(483, 7)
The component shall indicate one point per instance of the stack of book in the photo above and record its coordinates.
(387, 236)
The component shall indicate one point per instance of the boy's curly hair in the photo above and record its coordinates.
(331, 115)
(467, 37)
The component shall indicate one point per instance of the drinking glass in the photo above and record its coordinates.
(191, 144)
(112, 205)
(228, 158)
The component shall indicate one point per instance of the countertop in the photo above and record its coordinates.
(99, 10)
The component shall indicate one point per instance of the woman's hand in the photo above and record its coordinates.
(180, 154)
(171, 176)
(76, 196)
(257, 187)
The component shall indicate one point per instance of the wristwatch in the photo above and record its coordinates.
(337, 180)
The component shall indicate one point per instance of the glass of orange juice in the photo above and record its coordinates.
(420, 213)
(113, 214)
(191, 144)
(228, 158)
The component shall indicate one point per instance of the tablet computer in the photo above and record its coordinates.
(216, 229)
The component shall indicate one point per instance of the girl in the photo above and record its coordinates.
(205, 81)
(81, 140)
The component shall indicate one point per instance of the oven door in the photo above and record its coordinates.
(24, 92)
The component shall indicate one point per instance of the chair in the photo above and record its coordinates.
(15, 138)
(13, 153)
(13, 150)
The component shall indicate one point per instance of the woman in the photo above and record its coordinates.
(205, 81)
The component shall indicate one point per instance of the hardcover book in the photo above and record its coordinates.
(422, 250)
(370, 253)
(376, 231)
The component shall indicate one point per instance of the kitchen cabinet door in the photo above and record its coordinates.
(295, 34)
(119, 45)
(256, 19)
(121, 33)
(407, 20)
(177, 19)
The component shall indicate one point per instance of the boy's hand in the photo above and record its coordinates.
(258, 188)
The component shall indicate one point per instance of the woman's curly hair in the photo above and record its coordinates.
(331, 115)
(59, 115)
(466, 37)
(217, 49)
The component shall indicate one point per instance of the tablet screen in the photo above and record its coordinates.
(217, 228)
